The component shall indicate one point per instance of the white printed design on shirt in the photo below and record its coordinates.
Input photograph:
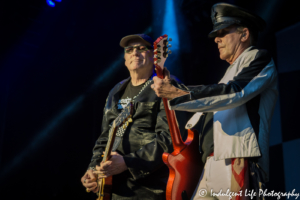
(123, 103)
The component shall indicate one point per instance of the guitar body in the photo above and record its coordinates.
(185, 168)
(106, 186)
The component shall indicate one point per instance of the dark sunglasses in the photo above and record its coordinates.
(140, 48)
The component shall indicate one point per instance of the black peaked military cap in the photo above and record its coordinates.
(224, 15)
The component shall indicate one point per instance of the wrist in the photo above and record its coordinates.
(177, 93)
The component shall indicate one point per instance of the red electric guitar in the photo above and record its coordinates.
(184, 163)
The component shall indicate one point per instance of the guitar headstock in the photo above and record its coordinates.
(161, 52)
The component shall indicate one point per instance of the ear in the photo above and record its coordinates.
(245, 35)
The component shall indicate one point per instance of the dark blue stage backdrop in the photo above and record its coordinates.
(60, 58)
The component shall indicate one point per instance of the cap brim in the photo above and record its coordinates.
(217, 27)
(124, 40)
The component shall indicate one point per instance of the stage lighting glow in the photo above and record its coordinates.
(41, 137)
(102, 78)
(51, 3)
(170, 25)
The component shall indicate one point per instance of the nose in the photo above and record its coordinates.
(135, 51)
(217, 39)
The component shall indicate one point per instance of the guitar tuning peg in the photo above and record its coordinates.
(124, 126)
(130, 120)
(169, 52)
(170, 39)
(169, 45)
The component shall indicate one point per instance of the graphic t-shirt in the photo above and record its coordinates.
(129, 93)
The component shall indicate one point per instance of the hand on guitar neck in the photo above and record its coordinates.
(164, 89)
(115, 165)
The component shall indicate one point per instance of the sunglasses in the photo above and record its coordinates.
(140, 48)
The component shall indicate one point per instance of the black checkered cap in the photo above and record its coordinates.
(224, 15)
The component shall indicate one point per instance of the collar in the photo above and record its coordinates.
(244, 52)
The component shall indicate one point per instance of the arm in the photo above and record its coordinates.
(147, 159)
(101, 142)
(89, 179)
(256, 75)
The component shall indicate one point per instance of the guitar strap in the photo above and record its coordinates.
(121, 130)
(116, 143)
(193, 120)
(118, 138)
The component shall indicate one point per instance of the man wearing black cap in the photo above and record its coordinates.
(236, 112)
(136, 166)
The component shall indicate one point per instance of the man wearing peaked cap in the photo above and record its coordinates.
(136, 163)
(235, 113)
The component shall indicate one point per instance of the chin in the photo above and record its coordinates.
(222, 57)
(135, 67)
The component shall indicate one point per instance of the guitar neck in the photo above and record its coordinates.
(178, 144)
(160, 55)
(110, 142)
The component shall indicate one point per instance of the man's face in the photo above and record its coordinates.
(138, 60)
(228, 40)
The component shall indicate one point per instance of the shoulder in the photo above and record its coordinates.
(118, 86)
(114, 90)
(254, 54)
